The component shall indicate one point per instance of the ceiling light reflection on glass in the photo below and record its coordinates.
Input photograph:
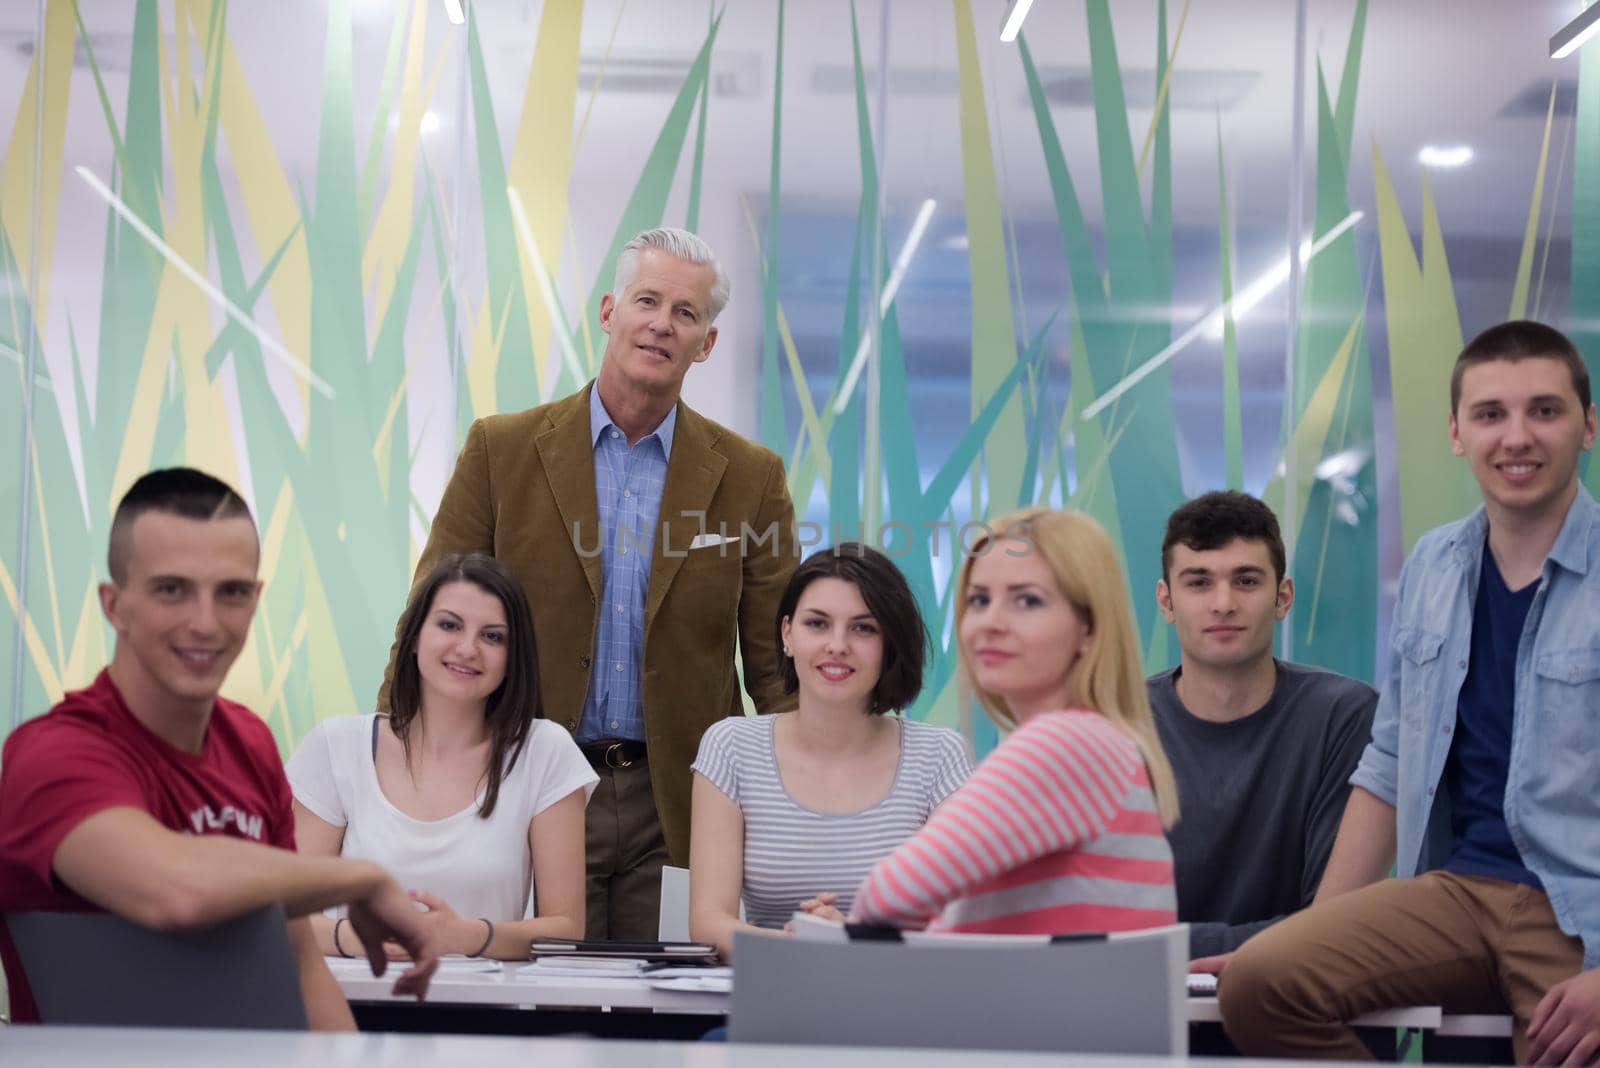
(1575, 34)
(1013, 26)
(1445, 157)
(1242, 302)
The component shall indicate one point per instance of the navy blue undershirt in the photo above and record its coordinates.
(1480, 753)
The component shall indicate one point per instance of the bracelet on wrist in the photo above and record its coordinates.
(337, 947)
(487, 938)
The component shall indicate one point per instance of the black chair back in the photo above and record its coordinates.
(99, 969)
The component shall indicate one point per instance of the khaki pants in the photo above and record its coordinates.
(1466, 944)
(622, 838)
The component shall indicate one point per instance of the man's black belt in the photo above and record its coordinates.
(614, 753)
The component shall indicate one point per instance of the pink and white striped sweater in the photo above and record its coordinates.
(1056, 832)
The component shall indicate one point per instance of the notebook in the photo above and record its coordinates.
(677, 952)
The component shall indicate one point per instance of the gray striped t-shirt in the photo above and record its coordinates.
(791, 852)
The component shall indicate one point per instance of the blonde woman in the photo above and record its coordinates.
(1061, 828)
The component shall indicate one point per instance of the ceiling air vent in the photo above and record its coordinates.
(1065, 87)
(1533, 102)
(1191, 90)
(733, 74)
(112, 51)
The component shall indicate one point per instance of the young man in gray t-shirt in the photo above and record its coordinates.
(1262, 749)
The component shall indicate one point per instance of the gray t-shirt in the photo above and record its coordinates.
(791, 852)
(1261, 799)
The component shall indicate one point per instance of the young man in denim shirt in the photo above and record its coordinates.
(1479, 782)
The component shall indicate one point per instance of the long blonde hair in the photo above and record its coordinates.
(1108, 678)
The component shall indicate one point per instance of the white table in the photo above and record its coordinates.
(84, 1047)
(515, 985)
(1426, 1017)
(1474, 1025)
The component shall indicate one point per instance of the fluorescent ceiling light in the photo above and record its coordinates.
(429, 123)
(1445, 157)
(1572, 36)
(886, 298)
(453, 12)
(1242, 302)
(1257, 291)
(1013, 26)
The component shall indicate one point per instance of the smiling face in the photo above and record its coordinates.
(461, 648)
(1224, 603)
(182, 611)
(658, 326)
(1521, 428)
(1020, 636)
(836, 644)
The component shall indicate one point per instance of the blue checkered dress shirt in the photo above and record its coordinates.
(627, 487)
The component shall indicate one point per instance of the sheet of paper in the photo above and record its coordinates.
(353, 966)
(594, 967)
(696, 985)
(690, 973)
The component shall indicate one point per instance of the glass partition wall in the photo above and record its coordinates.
(1147, 249)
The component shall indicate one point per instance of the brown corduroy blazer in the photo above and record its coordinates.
(521, 485)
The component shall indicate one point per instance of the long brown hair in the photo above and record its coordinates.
(510, 711)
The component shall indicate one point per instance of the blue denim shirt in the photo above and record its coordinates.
(1552, 803)
(627, 489)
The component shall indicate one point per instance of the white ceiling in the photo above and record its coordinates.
(1434, 71)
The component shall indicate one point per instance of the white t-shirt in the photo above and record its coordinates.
(481, 867)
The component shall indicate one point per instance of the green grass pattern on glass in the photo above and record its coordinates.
(334, 491)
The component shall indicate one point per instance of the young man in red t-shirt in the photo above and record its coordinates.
(149, 796)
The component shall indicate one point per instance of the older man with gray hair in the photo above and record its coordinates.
(650, 540)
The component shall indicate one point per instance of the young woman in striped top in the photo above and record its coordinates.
(1060, 829)
(791, 810)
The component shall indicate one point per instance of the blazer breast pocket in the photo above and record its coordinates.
(708, 552)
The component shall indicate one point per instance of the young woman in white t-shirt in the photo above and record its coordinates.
(464, 792)
(792, 810)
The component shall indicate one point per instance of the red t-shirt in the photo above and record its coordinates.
(89, 753)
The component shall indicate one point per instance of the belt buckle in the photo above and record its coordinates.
(611, 752)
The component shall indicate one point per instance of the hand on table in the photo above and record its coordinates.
(453, 933)
(1210, 965)
(388, 915)
(823, 907)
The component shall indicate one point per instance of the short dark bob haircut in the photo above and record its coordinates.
(883, 589)
(1521, 339)
(1215, 519)
(514, 705)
